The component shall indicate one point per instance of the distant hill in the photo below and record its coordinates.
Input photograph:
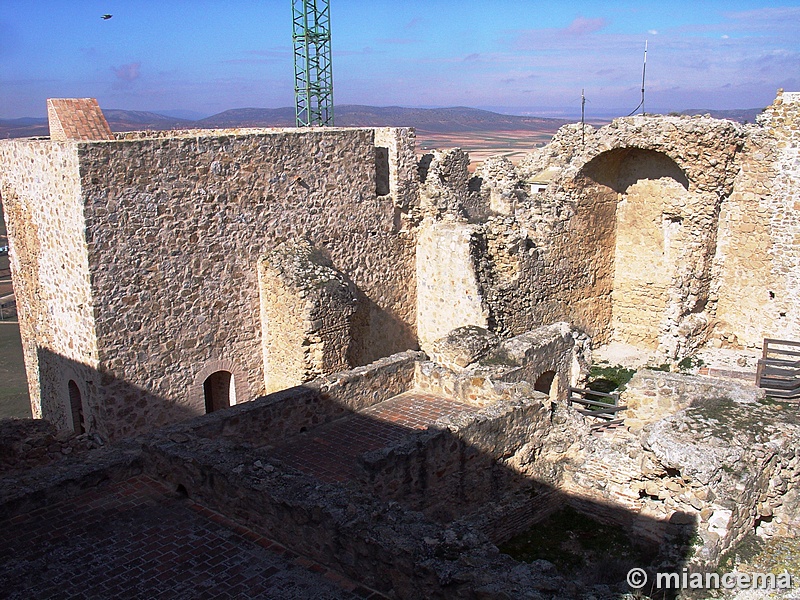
(441, 120)
(135, 120)
(24, 127)
(249, 117)
(431, 120)
(118, 120)
(434, 120)
(425, 120)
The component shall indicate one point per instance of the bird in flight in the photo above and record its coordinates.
(106, 17)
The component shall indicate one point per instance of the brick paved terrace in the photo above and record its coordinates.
(141, 539)
(137, 539)
(330, 452)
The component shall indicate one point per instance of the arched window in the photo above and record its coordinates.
(76, 407)
(219, 391)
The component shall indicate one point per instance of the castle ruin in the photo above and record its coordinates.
(163, 275)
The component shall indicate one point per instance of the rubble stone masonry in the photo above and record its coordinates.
(135, 260)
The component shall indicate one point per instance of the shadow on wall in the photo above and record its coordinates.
(373, 329)
(621, 168)
(79, 398)
(408, 511)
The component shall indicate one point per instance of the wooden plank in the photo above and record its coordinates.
(583, 391)
(768, 341)
(596, 414)
(598, 404)
(777, 362)
(607, 425)
(789, 395)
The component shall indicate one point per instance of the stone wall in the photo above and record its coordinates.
(757, 257)
(711, 473)
(307, 311)
(461, 464)
(472, 365)
(718, 467)
(272, 418)
(142, 252)
(654, 395)
(448, 293)
(620, 243)
(41, 196)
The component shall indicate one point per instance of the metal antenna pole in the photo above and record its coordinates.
(644, 69)
(313, 72)
(583, 120)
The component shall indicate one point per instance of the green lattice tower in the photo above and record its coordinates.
(313, 73)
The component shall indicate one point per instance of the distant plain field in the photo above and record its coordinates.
(480, 145)
(14, 400)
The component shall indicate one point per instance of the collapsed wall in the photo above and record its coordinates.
(666, 233)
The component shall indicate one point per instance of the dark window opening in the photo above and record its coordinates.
(545, 382)
(381, 171)
(219, 391)
(76, 408)
(423, 166)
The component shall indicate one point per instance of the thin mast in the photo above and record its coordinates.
(644, 70)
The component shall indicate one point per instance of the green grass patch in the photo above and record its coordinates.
(690, 363)
(605, 378)
(14, 400)
(574, 542)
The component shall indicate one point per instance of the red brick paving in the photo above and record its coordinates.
(136, 540)
(330, 452)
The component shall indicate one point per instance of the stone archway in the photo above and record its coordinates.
(663, 239)
(219, 384)
(547, 383)
(219, 391)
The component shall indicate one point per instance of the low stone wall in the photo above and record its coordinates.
(27, 490)
(653, 395)
(277, 416)
(461, 463)
(470, 362)
(29, 443)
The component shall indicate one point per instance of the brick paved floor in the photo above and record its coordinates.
(330, 452)
(136, 540)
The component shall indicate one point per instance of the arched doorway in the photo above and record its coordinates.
(76, 407)
(219, 391)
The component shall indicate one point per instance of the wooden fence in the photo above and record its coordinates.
(600, 405)
(778, 369)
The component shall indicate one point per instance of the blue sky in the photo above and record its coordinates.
(521, 56)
